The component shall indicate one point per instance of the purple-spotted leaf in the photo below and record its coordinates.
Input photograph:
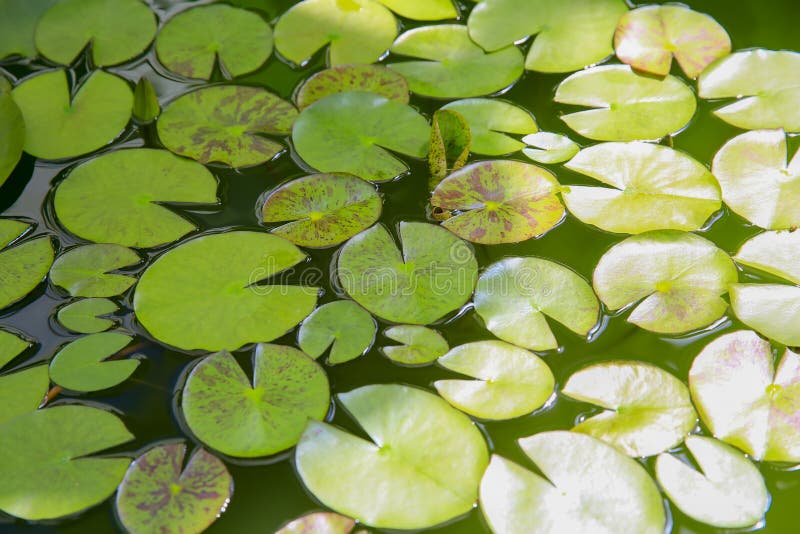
(319, 523)
(344, 326)
(450, 143)
(341, 78)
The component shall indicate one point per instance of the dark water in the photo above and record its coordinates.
(267, 494)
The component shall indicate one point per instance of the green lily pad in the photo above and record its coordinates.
(744, 400)
(324, 210)
(24, 264)
(358, 31)
(61, 125)
(319, 523)
(646, 409)
(450, 143)
(510, 381)
(117, 30)
(490, 120)
(771, 309)
(192, 42)
(145, 102)
(87, 316)
(423, 9)
(239, 418)
(55, 445)
(12, 134)
(353, 131)
(425, 457)
(433, 275)
(226, 124)
(12, 344)
(648, 37)
(22, 392)
(515, 295)
(674, 279)
(451, 65)
(570, 34)
(17, 25)
(156, 496)
(342, 78)
(756, 180)
(585, 486)
(627, 106)
(773, 252)
(85, 271)
(549, 147)
(421, 345)
(765, 84)
(120, 197)
(80, 365)
(499, 201)
(343, 325)
(729, 492)
(203, 294)
(653, 187)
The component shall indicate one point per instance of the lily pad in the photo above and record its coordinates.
(450, 143)
(239, 418)
(421, 345)
(627, 106)
(80, 365)
(61, 125)
(744, 400)
(55, 445)
(85, 271)
(490, 120)
(515, 295)
(585, 486)
(226, 124)
(653, 187)
(120, 197)
(353, 131)
(425, 457)
(728, 493)
(549, 147)
(358, 31)
(342, 325)
(342, 78)
(12, 134)
(87, 316)
(775, 253)
(324, 210)
(156, 496)
(570, 34)
(451, 65)
(24, 264)
(18, 24)
(12, 344)
(192, 42)
(422, 9)
(499, 201)
(510, 381)
(648, 37)
(145, 102)
(203, 294)
(433, 275)
(771, 309)
(646, 409)
(319, 523)
(674, 279)
(765, 84)
(117, 30)
(22, 392)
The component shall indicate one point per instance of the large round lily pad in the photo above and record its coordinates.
(489, 122)
(12, 133)
(22, 391)
(80, 365)
(344, 326)
(17, 26)
(87, 316)
(85, 271)
(342, 78)
(24, 264)
(421, 345)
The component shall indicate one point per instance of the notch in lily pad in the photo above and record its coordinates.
(342, 78)
(344, 326)
(491, 121)
(81, 365)
(23, 262)
(86, 271)
(549, 147)
(87, 316)
(421, 345)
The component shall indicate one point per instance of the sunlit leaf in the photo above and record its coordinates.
(24, 264)
(421, 345)
(549, 147)
(87, 316)
(86, 271)
(342, 325)
(773, 252)
(342, 78)
(490, 120)
(80, 365)
(12, 344)
(12, 133)
(18, 24)
(22, 392)
(450, 143)
(319, 523)
(422, 9)
(771, 309)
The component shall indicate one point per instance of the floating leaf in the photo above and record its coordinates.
(451, 65)
(585, 486)
(12, 345)
(490, 120)
(87, 315)
(343, 325)
(433, 275)
(680, 277)
(653, 187)
(422, 9)
(627, 106)
(550, 147)
(156, 496)
(744, 400)
(80, 365)
(421, 468)
(145, 102)
(119, 197)
(85, 271)
(499, 201)
(353, 131)
(239, 418)
(226, 124)
(202, 294)
(24, 264)
(773, 252)
(54, 445)
(324, 210)
(514, 295)
(422, 345)
(342, 78)
(570, 34)
(771, 309)
(22, 392)
(319, 523)
(449, 146)
(729, 492)
(12, 133)
(18, 24)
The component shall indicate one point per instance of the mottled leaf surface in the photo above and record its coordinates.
(12, 134)
(491, 120)
(422, 9)
(773, 252)
(450, 143)
(87, 316)
(22, 392)
(342, 78)
(24, 264)
(18, 24)
(11, 345)
(421, 345)
(549, 147)
(86, 270)
(344, 326)
(319, 523)
(80, 365)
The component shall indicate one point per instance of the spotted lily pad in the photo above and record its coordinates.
(342, 78)
(744, 400)
(549, 147)
(515, 295)
(80, 365)
(18, 24)
(85, 271)
(653, 187)
(87, 316)
(422, 9)
(674, 279)
(12, 134)
(156, 496)
(342, 325)
(22, 392)
(499, 201)
(421, 468)
(319, 523)
(432, 275)
(245, 419)
(450, 143)
(12, 344)
(204, 293)
(324, 210)
(626, 106)
(421, 345)
(490, 120)
(24, 264)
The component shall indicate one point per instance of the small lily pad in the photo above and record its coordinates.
(499, 201)
(627, 106)
(145, 102)
(12, 134)
(17, 26)
(22, 392)
(342, 78)
(324, 210)
(771, 309)
(422, 9)
(549, 147)
(343, 325)
(421, 345)
(245, 419)
(426, 458)
(87, 316)
(80, 365)
(450, 143)
(24, 264)
(12, 344)
(85, 271)
(773, 252)
(156, 496)
(490, 120)
(319, 523)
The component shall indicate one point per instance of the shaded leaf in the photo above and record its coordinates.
(85, 271)
(342, 325)
(18, 24)
(421, 345)
(80, 365)
(87, 316)
(319, 523)
(342, 78)
(12, 344)
(490, 120)
(12, 133)
(422, 9)
(22, 392)
(550, 147)
(449, 146)
(24, 264)
(145, 102)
